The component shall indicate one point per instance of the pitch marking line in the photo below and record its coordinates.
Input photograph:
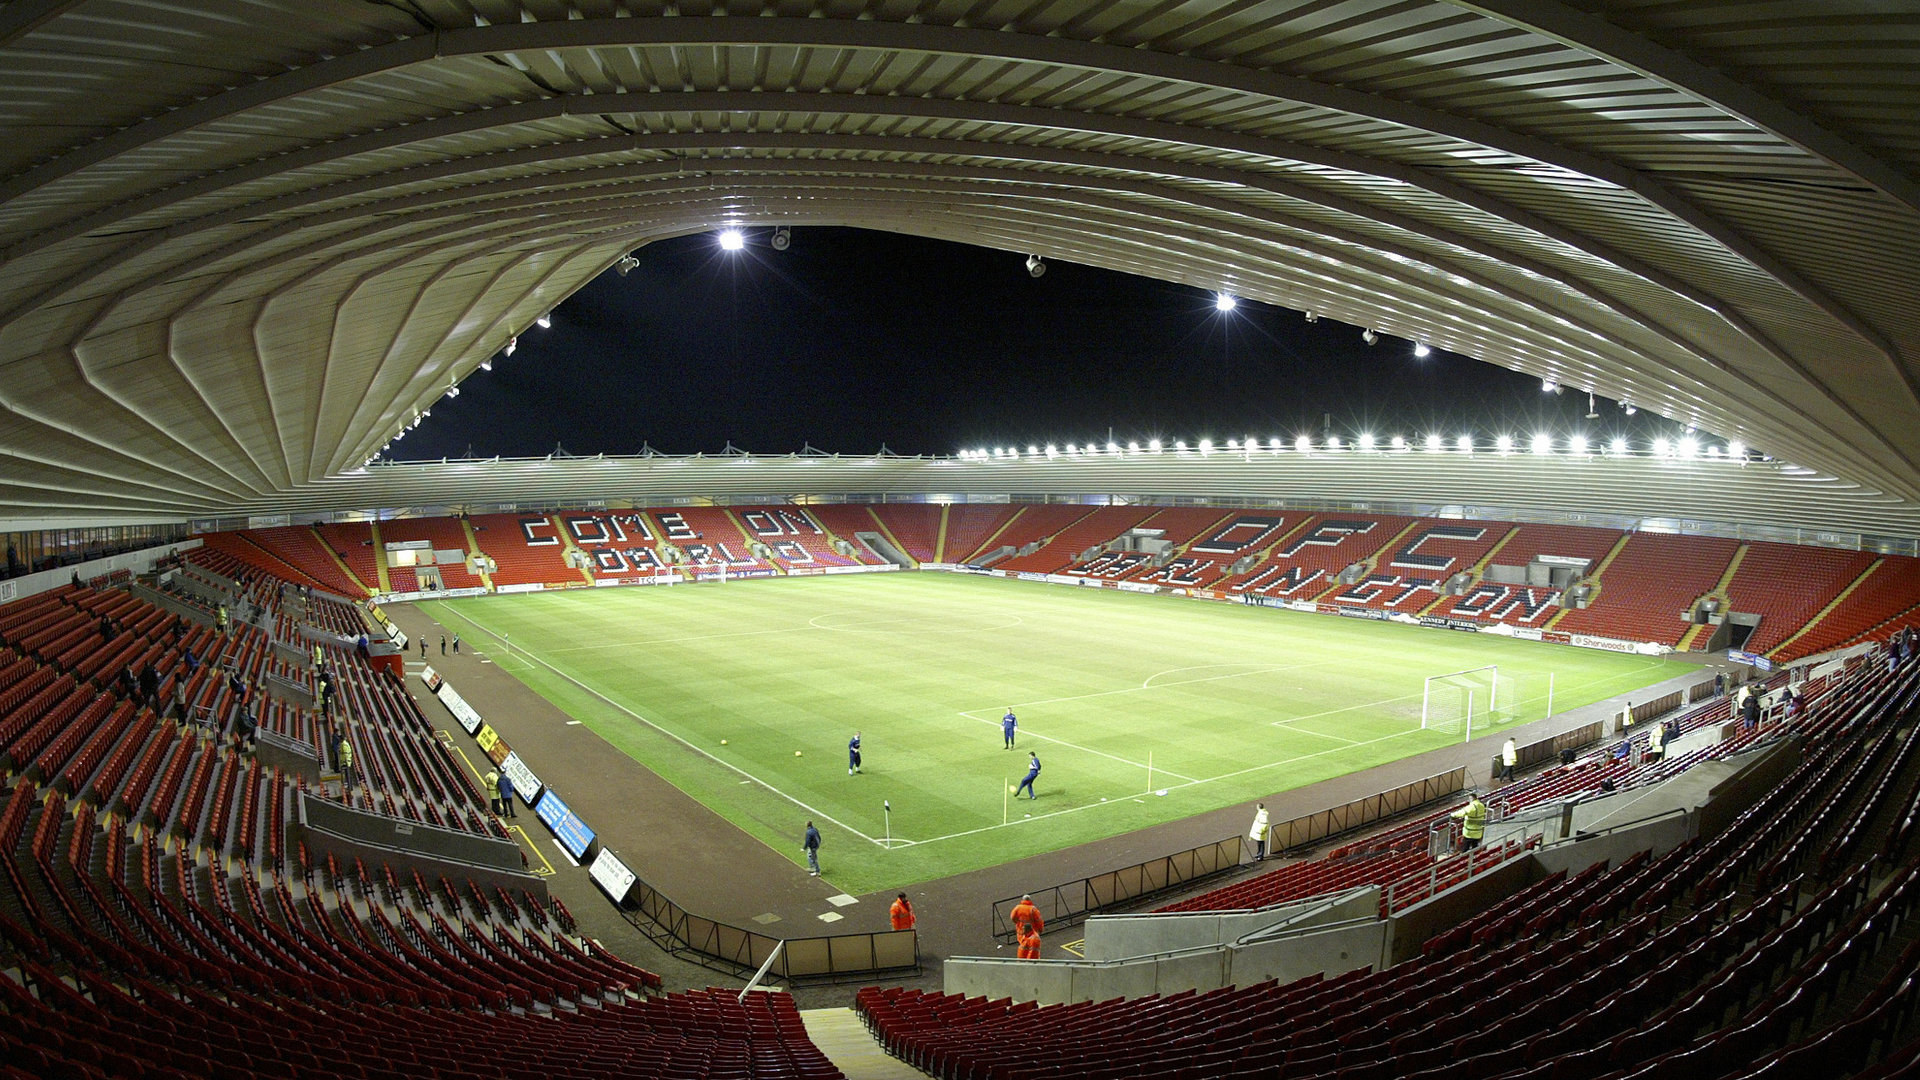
(822, 815)
(1074, 746)
(1183, 682)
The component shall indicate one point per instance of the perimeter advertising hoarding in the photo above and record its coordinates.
(461, 711)
(525, 784)
(1739, 656)
(572, 833)
(612, 876)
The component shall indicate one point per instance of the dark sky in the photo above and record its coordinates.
(853, 339)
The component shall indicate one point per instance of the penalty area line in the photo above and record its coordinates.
(821, 814)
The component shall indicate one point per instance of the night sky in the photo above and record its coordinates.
(851, 340)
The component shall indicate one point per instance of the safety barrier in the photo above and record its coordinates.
(720, 946)
(1549, 749)
(1310, 829)
(1071, 903)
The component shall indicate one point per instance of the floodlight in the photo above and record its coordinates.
(1313, 316)
(1421, 351)
(1369, 336)
(1052, 451)
(1618, 447)
(544, 322)
(1548, 386)
(1303, 444)
(1433, 441)
(1224, 302)
(626, 265)
(453, 391)
(1180, 445)
(1333, 442)
(1035, 266)
(1252, 444)
(1504, 444)
(1713, 451)
(782, 238)
(512, 344)
(487, 364)
(1366, 440)
(1113, 447)
(1689, 446)
(1033, 451)
(732, 240)
(1133, 448)
(1736, 448)
(1464, 443)
(1399, 442)
(1576, 444)
(1072, 449)
(980, 453)
(1274, 445)
(1629, 406)
(1154, 445)
(1541, 443)
(1206, 446)
(1233, 444)
(1661, 447)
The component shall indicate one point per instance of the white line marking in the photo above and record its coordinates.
(1310, 731)
(531, 658)
(1169, 671)
(573, 723)
(567, 854)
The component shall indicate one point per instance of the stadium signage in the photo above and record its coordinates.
(1588, 641)
(1447, 622)
(458, 706)
(432, 679)
(1528, 633)
(612, 876)
(427, 594)
(532, 586)
(487, 737)
(1357, 612)
(1027, 575)
(1137, 586)
(572, 833)
(525, 784)
(1739, 656)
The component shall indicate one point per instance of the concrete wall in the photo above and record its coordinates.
(331, 818)
(139, 562)
(1411, 928)
(1727, 801)
(1660, 836)
(1118, 937)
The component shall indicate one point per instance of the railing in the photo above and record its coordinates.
(1445, 874)
(1548, 749)
(1070, 903)
(1312, 828)
(720, 946)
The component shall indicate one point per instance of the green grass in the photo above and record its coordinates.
(1231, 703)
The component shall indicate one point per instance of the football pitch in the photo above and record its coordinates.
(744, 695)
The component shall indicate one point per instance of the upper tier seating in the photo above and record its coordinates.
(796, 537)
(707, 536)
(298, 548)
(1887, 601)
(971, 527)
(1304, 564)
(445, 534)
(1786, 585)
(1646, 591)
(353, 543)
(1102, 525)
(525, 549)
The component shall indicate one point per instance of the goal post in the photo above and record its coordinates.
(1458, 701)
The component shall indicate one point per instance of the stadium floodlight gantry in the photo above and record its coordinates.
(248, 241)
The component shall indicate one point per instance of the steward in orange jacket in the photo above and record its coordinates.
(901, 913)
(1029, 942)
(1024, 913)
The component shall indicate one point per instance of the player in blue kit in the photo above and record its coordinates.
(1007, 726)
(853, 754)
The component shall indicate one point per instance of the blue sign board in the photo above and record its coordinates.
(572, 833)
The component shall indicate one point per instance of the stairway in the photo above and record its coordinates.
(1832, 606)
(568, 547)
(337, 560)
(845, 1040)
(473, 549)
(379, 557)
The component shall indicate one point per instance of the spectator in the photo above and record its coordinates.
(1258, 833)
(180, 701)
(1473, 822)
(900, 915)
(246, 729)
(810, 843)
(344, 758)
(220, 619)
(1656, 742)
(493, 793)
(1750, 711)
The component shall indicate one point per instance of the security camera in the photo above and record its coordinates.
(1035, 267)
(782, 238)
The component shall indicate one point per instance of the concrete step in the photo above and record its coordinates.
(844, 1038)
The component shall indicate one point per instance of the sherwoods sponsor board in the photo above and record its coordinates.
(572, 833)
(1587, 641)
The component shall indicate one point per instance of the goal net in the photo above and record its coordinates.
(1461, 701)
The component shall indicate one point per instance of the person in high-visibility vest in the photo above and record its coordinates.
(901, 913)
(1473, 822)
(346, 762)
(1029, 943)
(1258, 833)
(1656, 742)
(493, 792)
(1509, 757)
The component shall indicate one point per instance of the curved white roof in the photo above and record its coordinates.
(245, 241)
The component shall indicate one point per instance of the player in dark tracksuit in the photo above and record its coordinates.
(1033, 771)
(1007, 726)
(853, 754)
